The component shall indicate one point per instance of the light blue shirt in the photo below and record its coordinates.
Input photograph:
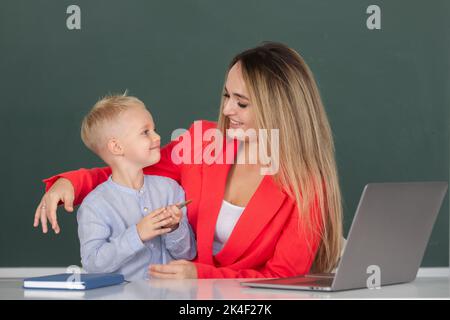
(109, 241)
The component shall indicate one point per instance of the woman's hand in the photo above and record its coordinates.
(62, 190)
(177, 269)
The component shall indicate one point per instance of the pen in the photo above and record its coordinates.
(183, 204)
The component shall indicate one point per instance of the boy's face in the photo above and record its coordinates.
(139, 140)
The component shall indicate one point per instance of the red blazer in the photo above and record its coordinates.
(266, 241)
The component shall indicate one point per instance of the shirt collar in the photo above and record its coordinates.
(126, 189)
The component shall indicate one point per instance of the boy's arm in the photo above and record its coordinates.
(181, 242)
(99, 252)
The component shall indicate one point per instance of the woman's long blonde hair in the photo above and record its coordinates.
(285, 96)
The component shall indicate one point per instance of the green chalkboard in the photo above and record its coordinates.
(386, 91)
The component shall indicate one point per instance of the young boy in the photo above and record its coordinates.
(131, 220)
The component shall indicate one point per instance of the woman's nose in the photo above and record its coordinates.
(228, 108)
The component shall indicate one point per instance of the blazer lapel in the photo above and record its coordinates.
(256, 215)
(213, 190)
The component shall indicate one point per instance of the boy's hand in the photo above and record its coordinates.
(154, 224)
(176, 215)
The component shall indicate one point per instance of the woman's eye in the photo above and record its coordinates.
(242, 105)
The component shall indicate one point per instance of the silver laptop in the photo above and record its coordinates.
(387, 239)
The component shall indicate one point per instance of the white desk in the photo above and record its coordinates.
(229, 289)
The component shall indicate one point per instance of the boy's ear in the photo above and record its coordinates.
(115, 147)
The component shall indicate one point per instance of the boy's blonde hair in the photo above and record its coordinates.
(103, 113)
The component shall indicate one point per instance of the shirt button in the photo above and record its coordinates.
(145, 209)
(141, 191)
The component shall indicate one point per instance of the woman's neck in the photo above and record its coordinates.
(128, 177)
(248, 154)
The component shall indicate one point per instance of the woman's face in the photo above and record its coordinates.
(237, 106)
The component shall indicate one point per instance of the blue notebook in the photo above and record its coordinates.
(69, 281)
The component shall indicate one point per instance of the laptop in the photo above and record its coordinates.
(387, 239)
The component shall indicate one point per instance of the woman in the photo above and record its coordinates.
(248, 225)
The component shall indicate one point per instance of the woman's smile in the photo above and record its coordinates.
(235, 124)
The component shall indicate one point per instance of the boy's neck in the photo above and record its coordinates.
(128, 177)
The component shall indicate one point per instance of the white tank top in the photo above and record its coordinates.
(228, 216)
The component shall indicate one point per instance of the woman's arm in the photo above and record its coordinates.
(71, 187)
(83, 181)
(61, 189)
(77, 184)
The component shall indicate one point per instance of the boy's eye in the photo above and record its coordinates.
(226, 95)
(146, 132)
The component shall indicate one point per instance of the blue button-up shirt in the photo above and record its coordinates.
(109, 241)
